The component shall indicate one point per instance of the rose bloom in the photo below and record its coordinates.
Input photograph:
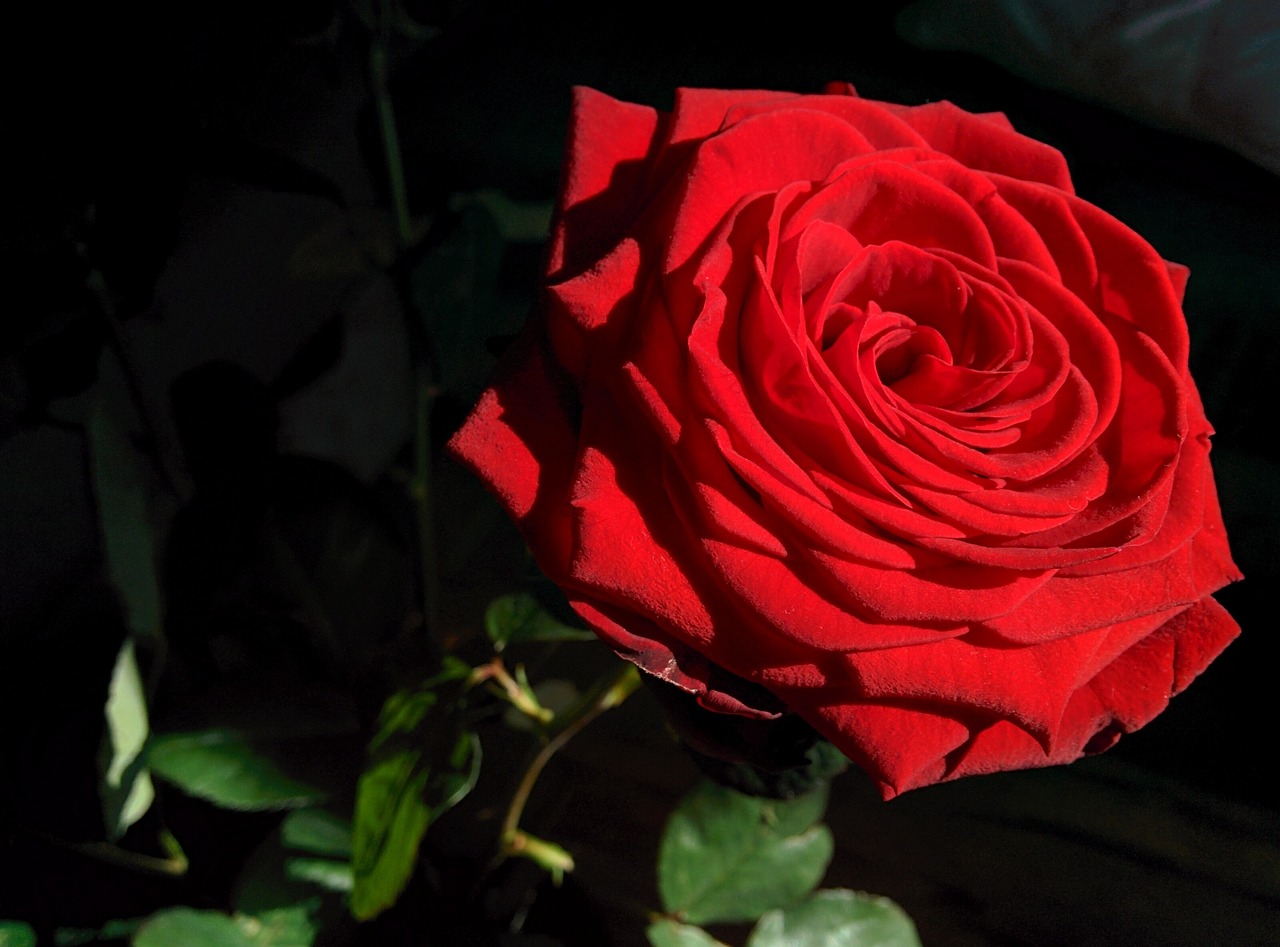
(855, 411)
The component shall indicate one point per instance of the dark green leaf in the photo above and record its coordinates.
(820, 762)
(518, 221)
(117, 929)
(404, 712)
(669, 933)
(512, 619)
(836, 918)
(317, 832)
(125, 518)
(224, 769)
(325, 872)
(729, 857)
(454, 289)
(422, 762)
(17, 934)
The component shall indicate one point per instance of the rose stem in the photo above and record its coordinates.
(175, 864)
(425, 389)
(610, 691)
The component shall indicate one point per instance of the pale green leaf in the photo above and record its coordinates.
(187, 927)
(126, 788)
(836, 918)
(729, 857)
(283, 927)
(325, 872)
(669, 933)
(226, 770)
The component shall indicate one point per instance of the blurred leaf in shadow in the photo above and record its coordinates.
(516, 619)
(317, 832)
(224, 769)
(325, 872)
(455, 291)
(274, 878)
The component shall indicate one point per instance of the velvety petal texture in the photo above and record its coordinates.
(856, 411)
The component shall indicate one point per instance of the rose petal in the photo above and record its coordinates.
(985, 145)
(609, 145)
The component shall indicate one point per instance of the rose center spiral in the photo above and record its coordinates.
(900, 351)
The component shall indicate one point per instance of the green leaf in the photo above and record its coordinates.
(422, 762)
(395, 802)
(325, 872)
(182, 927)
(729, 857)
(792, 816)
(283, 927)
(391, 818)
(512, 619)
(669, 933)
(224, 769)
(128, 542)
(125, 787)
(317, 832)
(187, 927)
(836, 918)
(17, 934)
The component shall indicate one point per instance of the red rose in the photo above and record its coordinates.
(861, 404)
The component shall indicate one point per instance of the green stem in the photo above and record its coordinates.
(514, 690)
(548, 855)
(610, 691)
(378, 73)
(175, 865)
(420, 492)
(424, 387)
